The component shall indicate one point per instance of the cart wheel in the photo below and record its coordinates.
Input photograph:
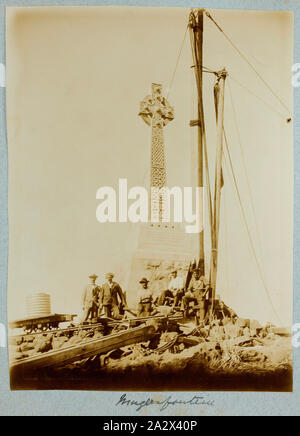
(103, 360)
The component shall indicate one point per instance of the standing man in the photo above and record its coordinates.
(144, 299)
(90, 299)
(175, 290)
(111, 297)
(196, 292)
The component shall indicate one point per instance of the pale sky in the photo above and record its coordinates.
(75, 78)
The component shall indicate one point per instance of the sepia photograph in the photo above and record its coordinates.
(150, 198)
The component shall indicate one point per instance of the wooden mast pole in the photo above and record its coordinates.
(196, 34)
(219, 88)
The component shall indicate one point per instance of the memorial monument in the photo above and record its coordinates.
(161, 246)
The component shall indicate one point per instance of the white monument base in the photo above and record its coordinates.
(160, 249)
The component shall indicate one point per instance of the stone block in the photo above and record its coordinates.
(43, 345)
(254, 325)
(247, 332)
(26, 347)
(282, 331)
(227, 321)
(241, 322)
(254, 332)
(233, 331)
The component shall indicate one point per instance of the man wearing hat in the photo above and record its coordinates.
(196, 292)
(111, 297)
(90, 299)
(144, 299)
(175, 290)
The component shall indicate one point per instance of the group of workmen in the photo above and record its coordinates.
(110, 299)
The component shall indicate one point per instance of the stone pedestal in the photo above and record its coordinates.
(160, 249)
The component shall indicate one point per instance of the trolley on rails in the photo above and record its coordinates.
(41, 323)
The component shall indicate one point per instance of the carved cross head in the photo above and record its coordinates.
(156, 109)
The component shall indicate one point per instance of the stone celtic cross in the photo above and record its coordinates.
(157, 112)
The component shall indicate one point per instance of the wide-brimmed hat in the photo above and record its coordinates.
(93, 276)
(144, 280)
(109, 275)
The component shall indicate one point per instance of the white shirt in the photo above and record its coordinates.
(176, 283)
(144, 293)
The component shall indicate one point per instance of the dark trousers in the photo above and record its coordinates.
(163, 295)
(144, 309)
(107, 311)
(90, 312)
(177, 295)
(200, 302)
(111, 311)
(202, 310)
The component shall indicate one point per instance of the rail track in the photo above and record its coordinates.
(103, 323)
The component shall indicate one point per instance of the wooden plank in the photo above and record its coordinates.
(83, 350)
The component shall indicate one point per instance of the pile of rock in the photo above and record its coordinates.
(225, 345)
(30, 345)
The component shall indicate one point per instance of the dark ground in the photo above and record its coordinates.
(190, 379)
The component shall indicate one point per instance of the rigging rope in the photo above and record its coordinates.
(226, 243)
(177, 62)
(248, 62)
(205, 69)
(246, 174)
(248, 231)
(259, 98)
